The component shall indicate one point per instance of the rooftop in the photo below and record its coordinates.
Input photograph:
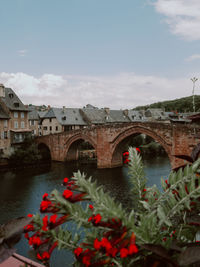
(12, 101)
(66, 116)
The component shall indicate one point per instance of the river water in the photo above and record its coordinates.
(21, 191)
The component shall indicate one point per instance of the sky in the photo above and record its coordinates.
(109, 53)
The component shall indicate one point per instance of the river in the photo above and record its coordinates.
(21, 191)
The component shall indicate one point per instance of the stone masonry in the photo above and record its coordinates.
(109, 140)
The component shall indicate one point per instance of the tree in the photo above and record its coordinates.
(26, 153)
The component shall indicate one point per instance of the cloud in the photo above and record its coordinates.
(183, 17)
(125, 90)
(22, 52)
(193, 57)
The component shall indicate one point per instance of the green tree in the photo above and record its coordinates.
(26, 153)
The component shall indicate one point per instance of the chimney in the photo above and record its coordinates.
(63, 109)
(125, 112)
(107, 110)
(2, 90)
(48, 107)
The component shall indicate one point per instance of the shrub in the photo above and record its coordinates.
(160, 230)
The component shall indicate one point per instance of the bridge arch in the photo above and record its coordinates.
(72, 145)
(45, 151)
(119, 142)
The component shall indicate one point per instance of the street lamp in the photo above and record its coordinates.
(194, 79)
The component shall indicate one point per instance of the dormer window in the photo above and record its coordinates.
(64, 118)
(11, 95)
(16, 104)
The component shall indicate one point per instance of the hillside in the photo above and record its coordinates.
(183, 104)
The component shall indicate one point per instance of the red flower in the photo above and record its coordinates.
(132, 249)
(26, 235)
(105, 243)
(137, 148)
(97, 244)
(65, 181)
(86, 260)
(53, 218)
(67, 194)
(45, 223)
(45, 204)
(97, 218)
(45, 256)
(124, 253)
(28, 227)
(90, 219)
(30, 215)
(44, 197)
(34, 240)
(112, 252)
(78, 251)
(91, 207)
(144, 190)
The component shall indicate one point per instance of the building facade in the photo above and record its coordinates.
(14, 120)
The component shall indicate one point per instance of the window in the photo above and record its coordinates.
(15, 114)
(16, 104)
(11, 95)
(50, 128)
(5, 135)
(22, 115)
(45, 128)
(32, 122)
(22, 124)
(50, 120)
(56, 128)
(15, 124)
(5, 123)
(20, 137)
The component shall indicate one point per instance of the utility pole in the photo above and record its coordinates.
(194, 79)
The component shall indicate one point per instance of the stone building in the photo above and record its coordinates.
(58, 120)
(34, 120)
(136, 115)
(4, 132)
(14, 120)
(103, 116)
(153, 114)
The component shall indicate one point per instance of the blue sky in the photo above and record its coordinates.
(116, 53)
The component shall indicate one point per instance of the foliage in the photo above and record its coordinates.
(25, 153)
(147, 143)
(160, 230)
(183, 104)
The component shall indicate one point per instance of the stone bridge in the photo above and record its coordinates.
(109, 141)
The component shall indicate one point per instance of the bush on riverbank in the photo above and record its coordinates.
(161, 230)
(147, 145)
(25, 154)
